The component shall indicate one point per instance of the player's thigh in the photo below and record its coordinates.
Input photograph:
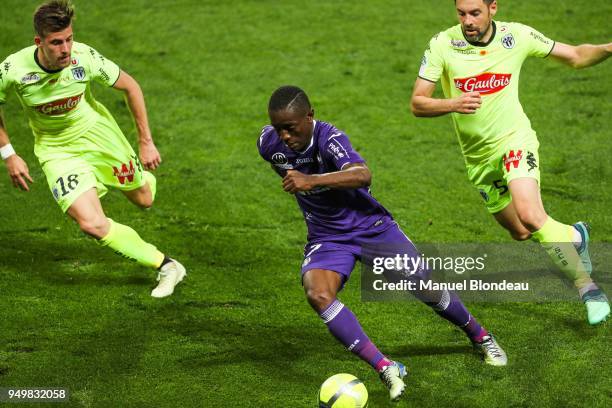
(69, 176)
(141, 196)
(488, 178)
(520, 166)
(328, 256)
(114, 161)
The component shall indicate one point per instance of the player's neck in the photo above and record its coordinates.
(489, 34)
(42, 62)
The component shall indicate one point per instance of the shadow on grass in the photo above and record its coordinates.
(41, 254)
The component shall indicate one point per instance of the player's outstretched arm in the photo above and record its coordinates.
(15, 165)
(581, 56)
(355, 175)
(422, 103)
(149, 156)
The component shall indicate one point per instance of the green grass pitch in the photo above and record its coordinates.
(238, 332)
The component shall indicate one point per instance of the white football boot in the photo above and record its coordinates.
(391, 376)
(168, 276)
(491, 351)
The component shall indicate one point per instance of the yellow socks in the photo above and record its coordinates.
(126, 242)
(556, 238)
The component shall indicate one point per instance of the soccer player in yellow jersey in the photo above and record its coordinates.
(478, 63)
(78, 143)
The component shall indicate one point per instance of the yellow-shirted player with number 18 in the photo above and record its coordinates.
(78, 143)
(478, 63)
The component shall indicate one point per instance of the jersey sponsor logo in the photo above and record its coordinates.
(459, 43)
(60, 106)
(30, 78)
(508, 41)
(303, 160)
(78, 73)
(531, 161)
(539, 37)
(125, 172)
(466, 51)
(335, 149)
(316, 190)
(487, 83)
(512, 159)
(104, 75)
(74, 61)
(423, 66)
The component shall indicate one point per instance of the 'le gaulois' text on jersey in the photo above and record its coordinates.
(327, 212)
(493, 69)
(59, 104)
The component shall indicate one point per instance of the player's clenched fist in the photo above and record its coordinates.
(467, 103)
(294, 181)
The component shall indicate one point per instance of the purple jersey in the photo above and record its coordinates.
(327, 212)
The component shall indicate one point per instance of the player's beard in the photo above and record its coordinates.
(479, 33)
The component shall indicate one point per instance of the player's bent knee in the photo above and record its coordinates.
(145, 202)
(96, 227)
(532, 219)
(319, 299)
(520, 235)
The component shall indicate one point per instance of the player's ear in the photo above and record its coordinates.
(310, 115)
(37, 40)
(493, 8)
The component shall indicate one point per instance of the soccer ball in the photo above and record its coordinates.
(343, 391)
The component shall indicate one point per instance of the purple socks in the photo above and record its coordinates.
(344, 326)
(452, 309)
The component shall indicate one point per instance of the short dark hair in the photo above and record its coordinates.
(289, 97)
(53, 16)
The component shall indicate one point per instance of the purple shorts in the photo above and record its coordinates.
(340, 253)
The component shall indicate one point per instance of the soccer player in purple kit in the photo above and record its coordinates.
(330, 182)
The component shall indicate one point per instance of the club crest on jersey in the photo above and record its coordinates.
(280, 160)
(125, 172)
(508, 41)
(30, 78)
(486, 83)
(78, 73)
(512, 159)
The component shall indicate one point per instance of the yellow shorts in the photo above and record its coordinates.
(99, 158)
(491, 178)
